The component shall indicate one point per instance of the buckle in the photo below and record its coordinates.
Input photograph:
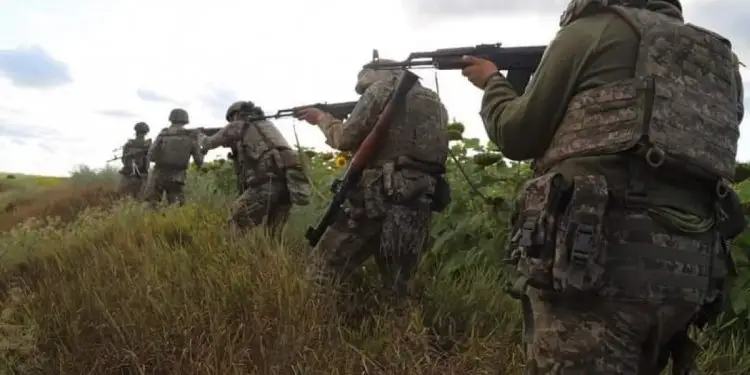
(583, 245)
(527, 231)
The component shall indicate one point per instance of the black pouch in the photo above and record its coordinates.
(580, 251)
(733, 221)
(442, 197)
(531, 242)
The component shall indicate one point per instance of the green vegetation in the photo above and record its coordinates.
(107, 287)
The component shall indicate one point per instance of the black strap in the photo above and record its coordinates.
(518, 290)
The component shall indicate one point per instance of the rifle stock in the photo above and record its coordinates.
(366, 152)
(520, 62)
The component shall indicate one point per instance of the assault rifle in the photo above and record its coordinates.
(520, 62)
(364, 155)
(338, 110)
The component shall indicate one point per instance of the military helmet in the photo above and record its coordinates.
(234, 108)
(141, 128)
(246, 107)
(676, 3)
(179, 116)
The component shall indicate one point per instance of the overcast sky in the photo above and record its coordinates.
(76, 75)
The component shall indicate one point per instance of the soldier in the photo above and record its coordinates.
(268, 170)
(135, 162)
(171, 153)
(389, 216)
(639, 113)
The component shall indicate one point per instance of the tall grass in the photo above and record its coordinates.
(120, 289)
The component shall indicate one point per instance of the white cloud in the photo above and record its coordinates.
(278, 54)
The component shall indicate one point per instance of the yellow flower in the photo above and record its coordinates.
(47, 181)
(340, 160)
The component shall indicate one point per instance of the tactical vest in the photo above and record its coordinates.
(136, 152)
(680, 109)
(419, 131)
(259, 137)
(175, 148)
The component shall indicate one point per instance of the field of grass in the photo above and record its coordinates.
(92, 284)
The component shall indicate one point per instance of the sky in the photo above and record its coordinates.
(75, 76)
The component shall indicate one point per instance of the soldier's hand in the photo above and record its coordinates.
(478, 70)
(311, 115)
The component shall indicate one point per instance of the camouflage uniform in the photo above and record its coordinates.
(269, 171)
(388, 215)
(171, 153)
(617, 238)
(135, 164)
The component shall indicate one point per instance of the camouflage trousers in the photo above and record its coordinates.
(396, 242)
(132, 186)
(265, 203)
(156, 188)
(601, 336)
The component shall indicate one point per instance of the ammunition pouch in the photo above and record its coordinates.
(407, 179)
(558, 242)
(532, 240)
(372, 193)
(580, 251)
(732, 221)
(286, 158)
(294, 175)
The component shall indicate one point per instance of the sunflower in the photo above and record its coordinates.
(340, 160)
(47, 181)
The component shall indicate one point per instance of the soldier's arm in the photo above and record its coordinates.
(523, 126)
(346, 136)
(125, 152)
(154, 148)
(196, 153)
(225, 137)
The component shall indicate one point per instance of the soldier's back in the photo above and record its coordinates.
(419, 130)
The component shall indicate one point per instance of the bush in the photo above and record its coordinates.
(123, 290)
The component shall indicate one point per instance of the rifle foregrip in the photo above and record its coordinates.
(451, 63)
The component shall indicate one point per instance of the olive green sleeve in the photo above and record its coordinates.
(523, 126)
(227, 136)
(125, 153)
(347, 135)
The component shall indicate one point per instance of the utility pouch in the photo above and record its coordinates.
(286, 158)
(580, 251)
(531, 242)
(732, 220)
(442, 197)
